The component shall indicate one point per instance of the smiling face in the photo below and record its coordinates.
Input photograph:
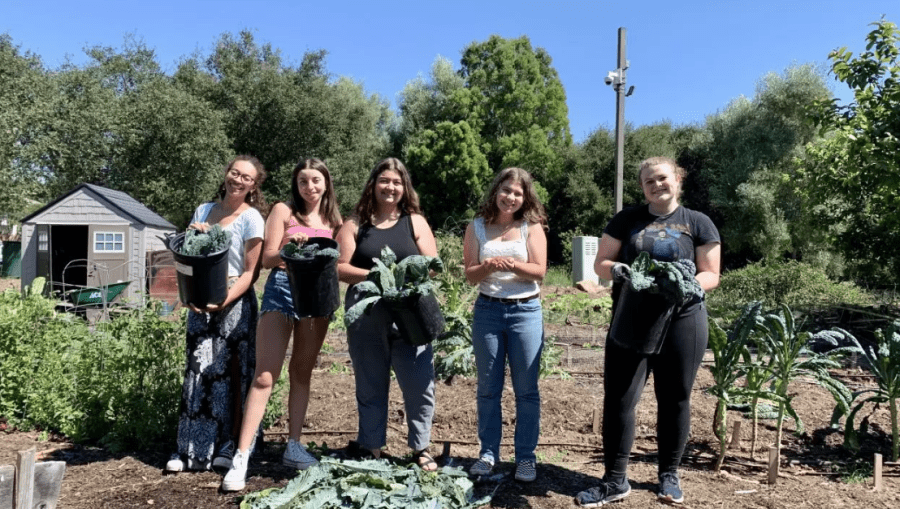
(389, 188)
(312, 185)
(661, 185)
(240, 179)
(510, 197)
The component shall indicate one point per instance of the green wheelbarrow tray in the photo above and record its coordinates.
(94, 296)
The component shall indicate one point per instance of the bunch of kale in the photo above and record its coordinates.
(394, 281)
(197, 243)
(675, 280)
(309, 252)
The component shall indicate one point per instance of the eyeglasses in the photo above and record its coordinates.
(247, 179)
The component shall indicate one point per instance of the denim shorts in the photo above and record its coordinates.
(277, 295)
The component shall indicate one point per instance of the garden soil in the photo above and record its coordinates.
(814, 468)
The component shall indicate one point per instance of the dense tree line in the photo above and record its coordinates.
(785, 173)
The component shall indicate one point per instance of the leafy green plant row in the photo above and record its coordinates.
(783, 354)
(117, 384)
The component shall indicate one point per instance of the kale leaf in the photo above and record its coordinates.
(675, 280)
(308, 252)
(197, 243)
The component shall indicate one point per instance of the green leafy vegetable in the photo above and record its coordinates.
(308, 251)
(197, 243)
(394, 281)
(369, 484)
(675, 279)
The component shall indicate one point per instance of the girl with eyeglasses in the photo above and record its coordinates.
(221, 338)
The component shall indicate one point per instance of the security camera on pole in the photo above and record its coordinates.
(617, 79)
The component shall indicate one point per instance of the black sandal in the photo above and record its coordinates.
(429, 464)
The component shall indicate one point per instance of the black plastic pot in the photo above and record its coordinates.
(314, 282)
(202, 280)
(641, 320)
(418, 318)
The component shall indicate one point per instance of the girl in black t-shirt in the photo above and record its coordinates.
(668, 232)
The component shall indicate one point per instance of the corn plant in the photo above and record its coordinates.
(726, 369)
(885, 365)
(790, 356)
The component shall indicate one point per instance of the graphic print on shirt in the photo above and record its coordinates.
(662, 241)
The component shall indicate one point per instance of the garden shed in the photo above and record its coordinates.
(91, 236)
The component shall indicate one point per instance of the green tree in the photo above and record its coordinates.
(25, 91)
(517, 104)
(449, 171)
(859, 163)
(745, 157)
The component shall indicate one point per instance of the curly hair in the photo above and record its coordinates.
(367, 206)
(328, 207)
(532, 210)
(255, 197)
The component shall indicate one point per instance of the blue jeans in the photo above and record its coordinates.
(515, 332)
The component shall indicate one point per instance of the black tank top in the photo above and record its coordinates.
(370, 241)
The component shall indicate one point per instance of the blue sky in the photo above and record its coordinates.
(688, 59)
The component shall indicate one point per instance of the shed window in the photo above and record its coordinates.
(109, 242)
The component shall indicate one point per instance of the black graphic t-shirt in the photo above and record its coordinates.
(666, 238)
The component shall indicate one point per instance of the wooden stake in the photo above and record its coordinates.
(877, 471)
(773, 464)
(735, 436)
(596, 421)
(25, 478)
(446, 452)
(569, 356)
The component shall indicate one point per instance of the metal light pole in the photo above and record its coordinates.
(617, 79)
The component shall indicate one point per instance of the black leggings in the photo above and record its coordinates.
(674, 370)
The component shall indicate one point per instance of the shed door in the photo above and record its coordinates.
(42, 231)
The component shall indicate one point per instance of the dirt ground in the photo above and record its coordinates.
(569, 453)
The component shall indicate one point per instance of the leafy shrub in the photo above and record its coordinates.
(800, 286)
(130, 374)
(584, 308)
(38, 348)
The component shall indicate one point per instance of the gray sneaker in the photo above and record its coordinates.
(670, 488)
(224, 456)
(296, 456)
(483, 466)
(526, 471)
(606, 493)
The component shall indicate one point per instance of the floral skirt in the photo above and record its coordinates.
(213, 382)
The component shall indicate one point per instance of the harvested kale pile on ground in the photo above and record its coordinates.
(308, 252)
(395, 281)
(197, 243)
(369, 484)
(675, 279)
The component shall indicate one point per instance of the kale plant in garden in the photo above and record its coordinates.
(885, 365)
(197, 243)
(728, 349)
(394, 281)
(790, 356)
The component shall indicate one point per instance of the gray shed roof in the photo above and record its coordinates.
(116, 200)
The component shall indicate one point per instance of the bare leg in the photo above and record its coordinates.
(272, 335)
(309, 334)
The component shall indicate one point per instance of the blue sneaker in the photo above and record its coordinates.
(606, 493)
(670, 488)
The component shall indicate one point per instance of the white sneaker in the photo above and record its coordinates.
(235, 479)
(296, 456)
(176, 464)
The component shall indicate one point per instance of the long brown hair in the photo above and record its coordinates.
(255, 197)
(532, 210)
(368, 205)
(328, 207)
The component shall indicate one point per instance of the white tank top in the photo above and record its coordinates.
(505, 285)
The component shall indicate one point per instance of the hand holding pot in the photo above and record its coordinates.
(201, 227)
(620, 272)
